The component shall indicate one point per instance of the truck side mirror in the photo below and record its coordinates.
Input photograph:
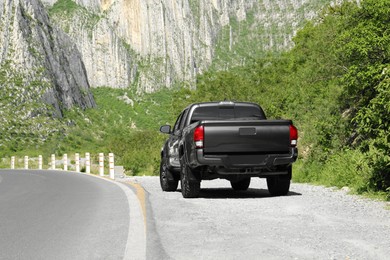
(165, 129)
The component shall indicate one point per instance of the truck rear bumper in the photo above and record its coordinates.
(247, 160)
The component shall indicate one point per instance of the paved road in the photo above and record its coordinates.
(58, 215)
(311, 223)
(63, 215)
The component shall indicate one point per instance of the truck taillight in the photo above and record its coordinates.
(199, 136)
(293, 136)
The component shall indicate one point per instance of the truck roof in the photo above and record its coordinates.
(223, 103)
(223, 110)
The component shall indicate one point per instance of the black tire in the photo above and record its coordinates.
(190, 188)
(168, 182)
(241, 185)
(279, 185)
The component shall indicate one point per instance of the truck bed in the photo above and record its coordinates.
(246, 137)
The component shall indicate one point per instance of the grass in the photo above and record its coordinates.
(343, 169)
(129, 131)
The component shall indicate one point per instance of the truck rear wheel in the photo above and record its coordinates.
(190, 186)
(279, 185)
(167, 180)
(241, 185)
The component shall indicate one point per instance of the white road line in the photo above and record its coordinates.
(136, 237)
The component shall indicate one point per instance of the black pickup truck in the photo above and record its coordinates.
(228, 140)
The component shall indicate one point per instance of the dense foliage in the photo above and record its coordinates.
(364, 49)
(335, 85)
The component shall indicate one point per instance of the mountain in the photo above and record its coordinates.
(53, 51)
(39, 63)
(149, 44)
(41, 75)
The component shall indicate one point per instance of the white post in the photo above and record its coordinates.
(87, 163)
(26, 162)
(53, 161)
(65, 162)
(77, 161)
(13, 162)
(111, 164)
(101, 164)
(40, 162)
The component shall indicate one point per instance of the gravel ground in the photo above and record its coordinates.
(312, 222)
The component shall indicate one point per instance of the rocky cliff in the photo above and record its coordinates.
(41, 74)
(150, 44)
(38, 61)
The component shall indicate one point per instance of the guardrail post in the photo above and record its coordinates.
(87, 163)
(65, 162)
(12, 162)
(101, 164)
(26, 162)
(53, 161)
(77, 161)
(111, 165)
(40, 162)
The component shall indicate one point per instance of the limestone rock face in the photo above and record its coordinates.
(148, 44)
(151, 44)
(38, 61)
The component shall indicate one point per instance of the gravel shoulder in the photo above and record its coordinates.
(312, 222)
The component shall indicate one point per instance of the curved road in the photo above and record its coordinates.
(64, 215)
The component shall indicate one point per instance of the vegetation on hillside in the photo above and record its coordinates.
(334, 84)
(63, 13)
(24, 118)
(267, 28)
(129, 131)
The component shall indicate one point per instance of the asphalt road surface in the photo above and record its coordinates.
(310, 223)
(64, 215)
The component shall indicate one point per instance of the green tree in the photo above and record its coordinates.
(364, 48)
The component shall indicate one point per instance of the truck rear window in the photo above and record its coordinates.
(227, 113)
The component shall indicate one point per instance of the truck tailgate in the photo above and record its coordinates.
(246, 136)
